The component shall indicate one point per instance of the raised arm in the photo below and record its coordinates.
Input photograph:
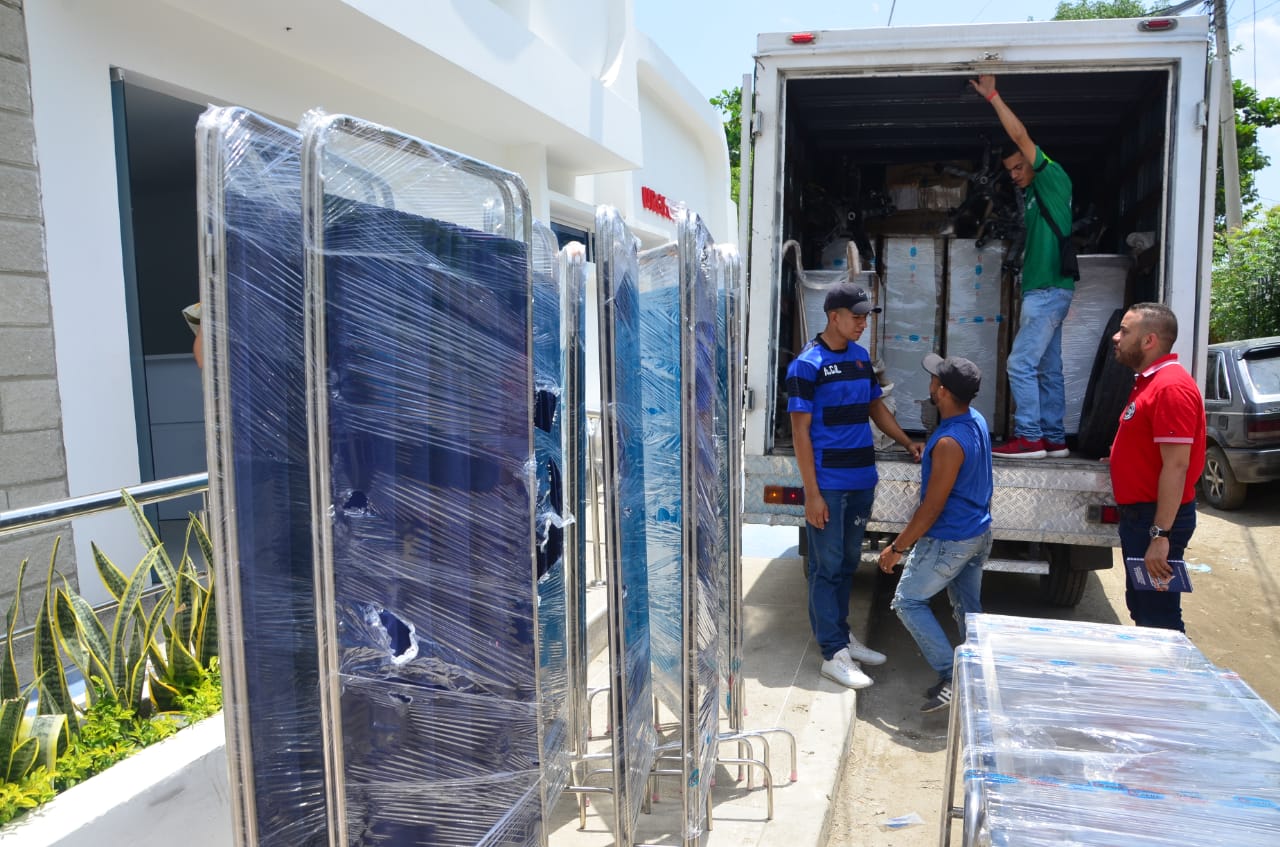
(986, 86)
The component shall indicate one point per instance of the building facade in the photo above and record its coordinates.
(98, 103)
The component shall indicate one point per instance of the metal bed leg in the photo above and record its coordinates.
(764, 771)
(591, 696)
(948, 811)
(763, 734)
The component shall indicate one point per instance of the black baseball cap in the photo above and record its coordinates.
(957, 374)
(846, 295)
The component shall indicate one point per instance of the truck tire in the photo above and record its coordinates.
(1218, 482)
(1063, 586)
(1069, 566)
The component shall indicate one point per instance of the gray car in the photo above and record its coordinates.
(1242, 410)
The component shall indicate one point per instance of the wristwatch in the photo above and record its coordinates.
(1156, 532)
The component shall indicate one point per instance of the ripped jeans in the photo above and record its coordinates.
(834, 553)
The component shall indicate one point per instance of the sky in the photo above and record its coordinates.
(713, 40)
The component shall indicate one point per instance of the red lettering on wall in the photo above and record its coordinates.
(655, 202)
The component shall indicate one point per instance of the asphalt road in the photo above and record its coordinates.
(895, 766)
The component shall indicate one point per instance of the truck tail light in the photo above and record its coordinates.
(1104, 514)
(1158, 25)
(781, 495)
(803, 38)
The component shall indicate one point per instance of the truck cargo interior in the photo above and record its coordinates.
(908, 168)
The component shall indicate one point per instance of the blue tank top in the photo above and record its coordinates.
(968, 510)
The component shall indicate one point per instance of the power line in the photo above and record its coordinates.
(980, 11)
(891, 8)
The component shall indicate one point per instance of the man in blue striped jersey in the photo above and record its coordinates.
(833, 396)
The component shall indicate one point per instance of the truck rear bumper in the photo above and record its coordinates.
(1045, 500)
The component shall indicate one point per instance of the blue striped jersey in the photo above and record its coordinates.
(836, 387)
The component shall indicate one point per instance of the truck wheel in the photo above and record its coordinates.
(1219, 483)
(1063, 586)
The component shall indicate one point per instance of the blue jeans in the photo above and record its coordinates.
(1161, 609)
(834, 554)
(935, 564)
(1035, 366)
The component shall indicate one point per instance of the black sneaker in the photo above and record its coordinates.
(939, 701)
(935, 688)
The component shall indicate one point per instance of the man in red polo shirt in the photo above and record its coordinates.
(1156, 458)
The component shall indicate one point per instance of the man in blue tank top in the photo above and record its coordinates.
(948, 539)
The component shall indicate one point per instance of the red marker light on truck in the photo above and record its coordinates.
(803, 38)
(781, 495)
(1103, 514)
(1158, 24)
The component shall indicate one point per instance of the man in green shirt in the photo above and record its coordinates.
(1035, 363)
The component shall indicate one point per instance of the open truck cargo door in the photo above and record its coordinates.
(874, 136)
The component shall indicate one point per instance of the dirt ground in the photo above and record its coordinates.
(896, 763)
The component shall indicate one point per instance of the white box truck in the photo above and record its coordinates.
(875, 137)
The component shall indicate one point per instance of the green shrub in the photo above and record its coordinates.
(17, 798)
(149, 673)
(1246, 281)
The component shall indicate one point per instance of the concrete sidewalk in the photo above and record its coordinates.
(783, 689)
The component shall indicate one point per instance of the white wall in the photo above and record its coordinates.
(468, 76)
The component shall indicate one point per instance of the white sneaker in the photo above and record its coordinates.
(844, 670)
(863, 653)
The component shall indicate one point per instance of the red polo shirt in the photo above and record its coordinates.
(1165, 407)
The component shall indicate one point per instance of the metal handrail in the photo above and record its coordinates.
(89, 504)
(17, 520)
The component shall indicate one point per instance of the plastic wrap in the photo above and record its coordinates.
(703, 529)
(1099, 292)
(661, 375)
(572, 271)
(631, 683)
(1090, 734)
(728, 281)
(250, 210)
(683, 495)
(421, 379)
(912, 282)
(550, 515)
(974, 316)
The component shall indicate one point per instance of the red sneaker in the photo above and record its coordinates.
(1021, 448)
(1056, 451)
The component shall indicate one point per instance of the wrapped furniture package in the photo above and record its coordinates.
(1094, 734)
(1099, 292)
(912, 283)
(678, 317)
(250, 210)
(974, 315)
(442, 667)
(631, 712)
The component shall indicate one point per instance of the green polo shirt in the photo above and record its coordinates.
(1041, 260)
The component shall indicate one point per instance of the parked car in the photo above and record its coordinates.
(1242, 409)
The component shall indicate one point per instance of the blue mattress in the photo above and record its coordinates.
(428, 368)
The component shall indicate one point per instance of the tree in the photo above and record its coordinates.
(1081, 10)
(729, 103)
(1246, 281)
(1252, 112)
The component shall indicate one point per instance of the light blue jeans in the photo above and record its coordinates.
(834, 554)
(935, 564)
(1035, 366)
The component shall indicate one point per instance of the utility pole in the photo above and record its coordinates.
(1227, 120)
